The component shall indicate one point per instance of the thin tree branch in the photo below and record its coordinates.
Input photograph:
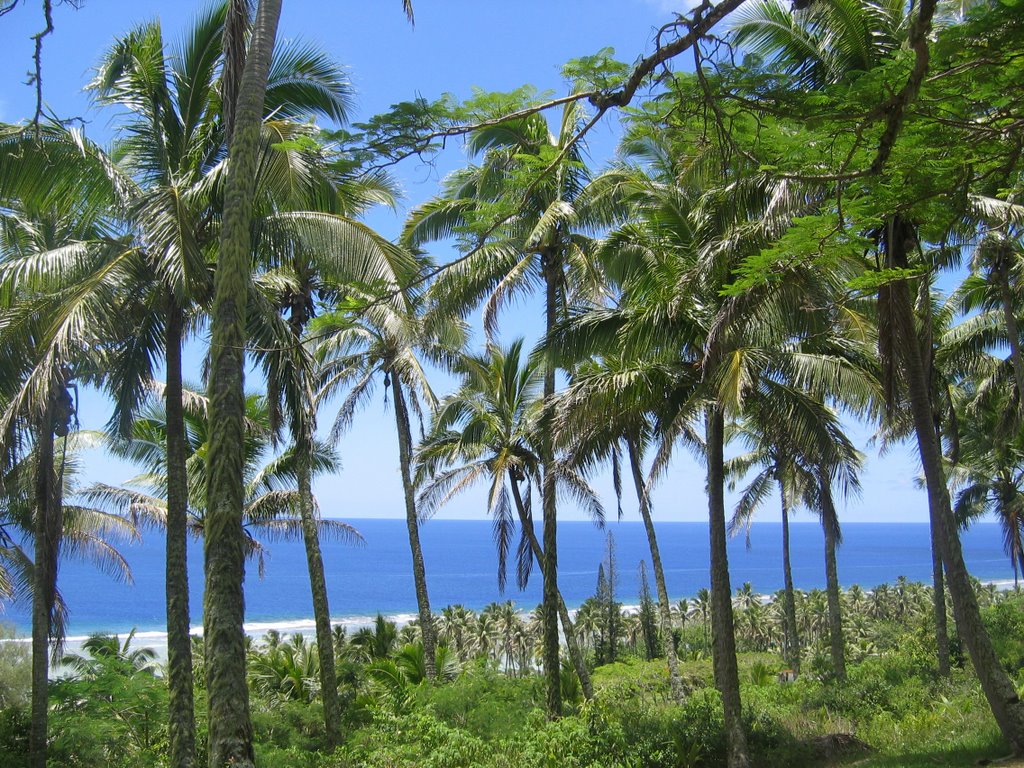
(895, 109)
(37, 58)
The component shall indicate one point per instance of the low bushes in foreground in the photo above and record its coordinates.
(892, 710)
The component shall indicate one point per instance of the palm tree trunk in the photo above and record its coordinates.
(791, 649)
(230, 735)
(303, 422)
(830, 524)
(552, 271)
(575, 652)
(47, 525)
(318, 588)
(938, 581)
(181, 726)
(723, 635)
(939, 601)
(998, 688)
(236, 26)
(419, 572)
(664, 609)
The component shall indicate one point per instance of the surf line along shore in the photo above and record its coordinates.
(156, 640)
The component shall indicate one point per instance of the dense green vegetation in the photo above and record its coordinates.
(485, 709)
(756, 269)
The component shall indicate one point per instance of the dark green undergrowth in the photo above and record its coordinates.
(905, 715)
(902, 718)
(892, 711)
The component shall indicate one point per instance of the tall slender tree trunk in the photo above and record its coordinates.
(181, 726)
(230, 727)
(575, 652)
(927, 346)
(318, 588)
(664, 609)
(48, 525)
(791, 643)
(830, 525)
(998, 688)
(939, 599)
(723, 635)
(303, 425)
(419, 571)
(552, 272)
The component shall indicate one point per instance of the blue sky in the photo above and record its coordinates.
(455, 45)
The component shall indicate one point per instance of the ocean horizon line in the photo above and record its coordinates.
(637, 521)
(462, 566)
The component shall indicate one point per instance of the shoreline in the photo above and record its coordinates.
(156, 638)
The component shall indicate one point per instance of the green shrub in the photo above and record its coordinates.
(413, 740)
(14, 728)
(1005, 624)
(484, 702)
(285, 725)
(15, 669)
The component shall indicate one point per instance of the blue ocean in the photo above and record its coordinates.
(462, 568)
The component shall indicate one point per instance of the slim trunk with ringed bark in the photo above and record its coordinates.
(303, 427)
(791, 645)
(48, 525)
(181, 727)
(419, 571)
(664, 609)
(830, 525)
(318, 588)
(575, 653)
(552, 668)
(723, 637)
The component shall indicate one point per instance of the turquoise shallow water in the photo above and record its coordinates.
(461, 568)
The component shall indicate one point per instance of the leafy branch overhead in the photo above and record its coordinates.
(422, 127)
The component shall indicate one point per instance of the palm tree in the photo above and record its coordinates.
(49, 338)
(488, 430)
(825, 506)
(827, 42)
(702, 350)
(791, 435)
(379, 338)
(833, 41)
(519, 216)
(104, 650)
(224, 610)
(989, 480)
(897, 243)
(454, 627)
(377, 642)
(778, 466)
(165, 189)
(702, 607)
(595, 385)
(286, 671)
(817, 45)
(231, 728)
(309, 258)
(84, 532)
